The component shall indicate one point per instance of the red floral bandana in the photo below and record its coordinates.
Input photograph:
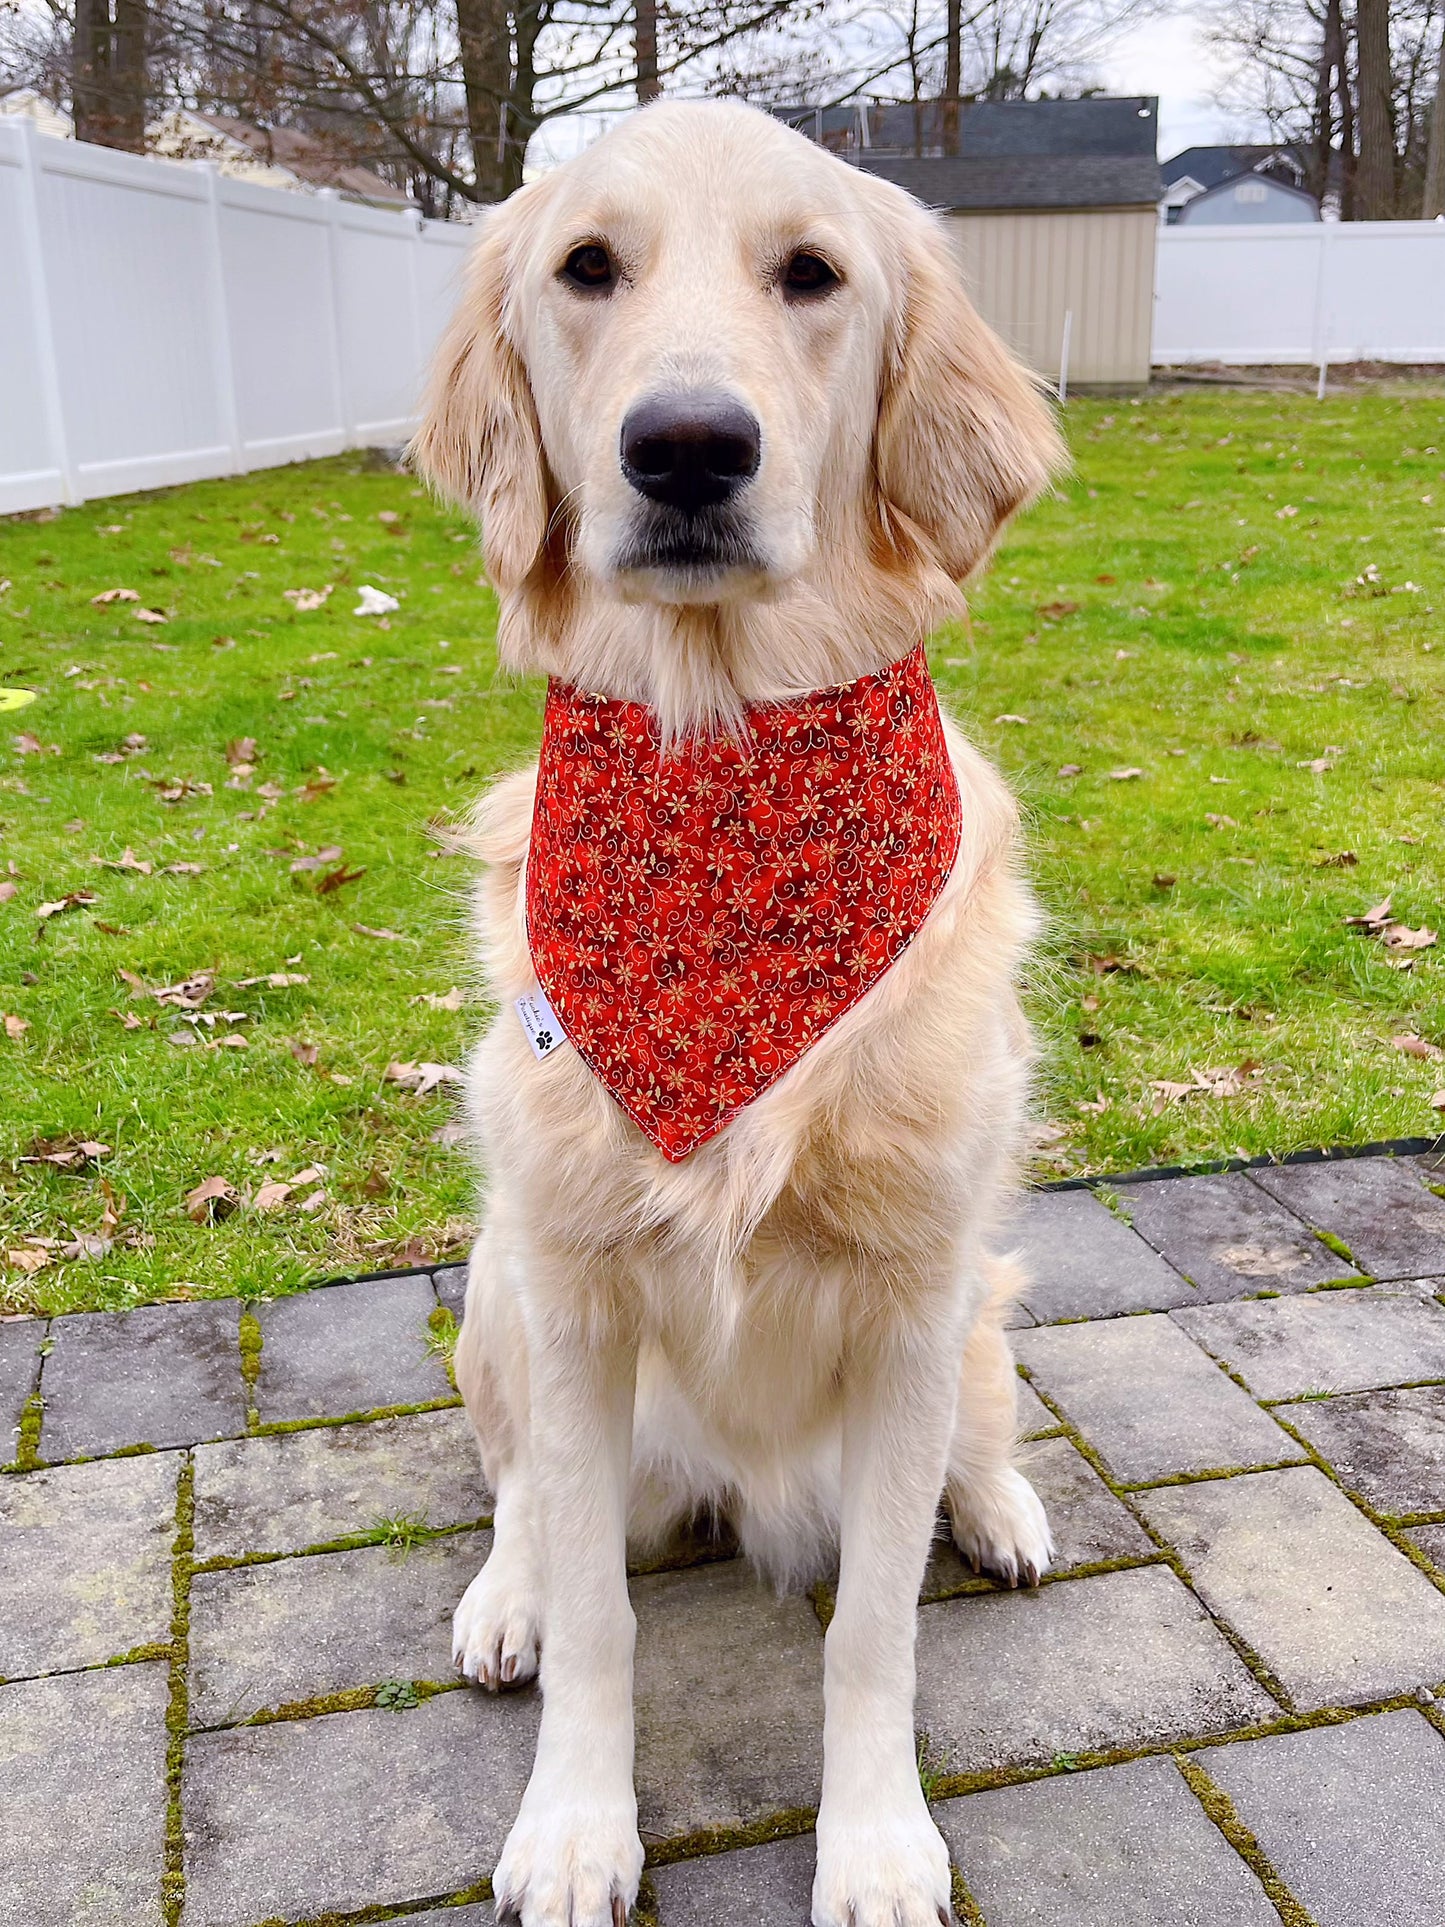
(699, 919)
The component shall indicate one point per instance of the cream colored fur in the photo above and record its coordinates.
(799, 1326)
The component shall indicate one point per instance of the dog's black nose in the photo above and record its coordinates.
(690, 451)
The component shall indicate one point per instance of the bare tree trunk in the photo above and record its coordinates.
(128, 76)
(1324, 128)
(484, 36)
(644, 40)
(952, 74)
(90, 71)
(1377, 132)
(1434, 199)
(1340, 55)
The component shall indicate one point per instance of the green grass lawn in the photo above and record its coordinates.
(1200, 664)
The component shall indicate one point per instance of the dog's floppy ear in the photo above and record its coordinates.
(479, 440)
(964, 435)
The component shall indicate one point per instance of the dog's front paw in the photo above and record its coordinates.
(569, 1863)
(1001, 1528)
(888, 1870)
(496, 1629)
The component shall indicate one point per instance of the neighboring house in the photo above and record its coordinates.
(1251, 200)
(1051, 205)
(1198, 169)
(269, 156)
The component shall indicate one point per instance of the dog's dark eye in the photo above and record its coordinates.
(808, 274)
(589, 267)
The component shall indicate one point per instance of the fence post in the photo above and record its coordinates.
(1321, 342)
(223, 360)
(418, 242)
(331, 200)
(33, 244)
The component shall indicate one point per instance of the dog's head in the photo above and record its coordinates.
(703, 361)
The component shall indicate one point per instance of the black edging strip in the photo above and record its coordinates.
(1398, 1147)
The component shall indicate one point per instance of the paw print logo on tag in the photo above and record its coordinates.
(539, 1022)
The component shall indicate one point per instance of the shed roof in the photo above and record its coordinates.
(956, 183)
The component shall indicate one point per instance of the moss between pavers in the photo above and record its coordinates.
(407, 1910)
(1222, 1811)
(173, 1880)
(274, 1428)
(966, 1909)
(251, 1341)
(384, 1533)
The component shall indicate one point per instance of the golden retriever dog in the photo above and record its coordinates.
(798, 1326)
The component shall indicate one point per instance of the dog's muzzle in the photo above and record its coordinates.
(692, 452)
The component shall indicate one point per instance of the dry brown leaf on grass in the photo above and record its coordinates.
(1414, 1046)
(272, 1195)
(1342, 860)
(28, 1259)
(212, 1199)
(114, 595)
(127, 860)
(1056, 611)
(315, 786)
(1099, 1104)
(150, 615)
(1373, 920)
(337, 879)
(331, 853)
(448, 1134)
(305, 600)
(183, 870)
(420, 1080)
(27, 744)
(452, 1000)
(1009, 717)
(133, 745)
(72, 900)
(16, 1026)
(387, 936)
(1124, 775)
(189, 994)
(63, 1152)
(305, 1054)
(8, 889)
(274, 980)
(241, 749)
(1226, 1080)
(1437, 1102)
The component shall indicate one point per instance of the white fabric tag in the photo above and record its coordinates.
(539, 1021)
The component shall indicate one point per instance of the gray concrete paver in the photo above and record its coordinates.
(348, 1348)
(1351, 1817)
(1116, 1660)
(1229, 1237)
(20, 1342)
(769, 1886)
(83, 1794)
(160, 1375)
(299, 1629)
(729, 1694)
(1329, 1341)
(1080, 1261)
(1151, 1402)
(85, 1562)
(1387, 1446)
(1337, 1613)
(352, 1810)
(1121, 1846)
(1379, 1207)
(290, 1490)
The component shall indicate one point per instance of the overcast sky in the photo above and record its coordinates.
(1172, 58)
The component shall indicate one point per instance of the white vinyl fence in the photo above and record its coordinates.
(1320, 292)
(160, 322)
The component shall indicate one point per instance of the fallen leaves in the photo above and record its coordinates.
(150, 615)
(337, 879)
(277, 1192)
(1437, 1102)
(1223, 1081)
(189, 994)
(305, 600)
(1124, 775)
(330, 854)
(108, 596)
(133, 745)
(274, 980)
(1397, 937)
(15, 1027)
(1008, 717)
(127, 860)
(420, 1080)
(1342, 860)
(212, 1199)
(1056, 611)
(1414, 1046)
(64, 1152)
(452, 1000)
(72, 900)
(7, 889)
(387, 936)
(27, 744)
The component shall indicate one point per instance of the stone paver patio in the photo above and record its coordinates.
(231, 1536)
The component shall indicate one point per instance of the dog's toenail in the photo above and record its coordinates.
(619, 1911)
